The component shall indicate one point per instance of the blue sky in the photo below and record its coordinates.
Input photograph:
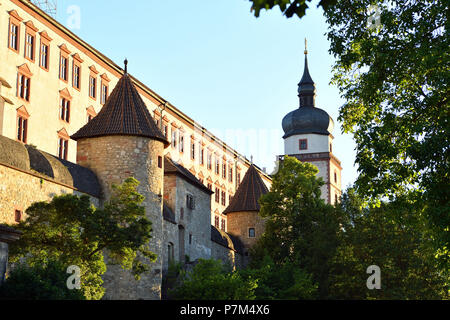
(234, 74)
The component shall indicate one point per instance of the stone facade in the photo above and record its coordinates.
(114, 159)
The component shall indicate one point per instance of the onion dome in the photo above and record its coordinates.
(307, 118)
(247, 195)
(124, 113)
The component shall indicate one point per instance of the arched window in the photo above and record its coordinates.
(170, 252)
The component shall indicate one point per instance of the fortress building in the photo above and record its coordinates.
(72, 121)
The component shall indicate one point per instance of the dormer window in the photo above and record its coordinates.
(303, 144)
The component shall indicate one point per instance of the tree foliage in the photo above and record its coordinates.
(73, 232)
(288, 7)
(211, 280)
(394, 78)
(39, 282)
(393, 236)
(300, 228)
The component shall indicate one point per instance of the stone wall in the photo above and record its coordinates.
(228, 256)
(3, 260)
(114, 159)
(19, 189)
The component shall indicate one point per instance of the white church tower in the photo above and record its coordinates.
(308, 137)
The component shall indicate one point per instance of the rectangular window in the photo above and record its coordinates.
(160, 163)
(251, 232)
(29, 46)
(181, 143)
(210, 186)
(43, 61)
(174, 138)
(63, 146)
(23, 89)
(209, 160)
(224, 170)
(92, 87)
(217, 166)
(64, 110)
(165, 130)
(202, 156)
(18, 215)
(14, 36)
(22, 124)
(190, 202)
(224, 195)
(303, 144)
(239, 178)
(217, 195)
(63, 68)
(104, 94)
(216, 222)
(222, 226)
(192, 150)
(76, 76)
(230, 174)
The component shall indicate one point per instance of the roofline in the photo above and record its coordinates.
(198, 185)
(138, 83)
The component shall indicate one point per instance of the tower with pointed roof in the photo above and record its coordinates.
(123, 141)
(242, 213)
(308, 137)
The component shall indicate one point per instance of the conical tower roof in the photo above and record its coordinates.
(124, 113)
(247, 195)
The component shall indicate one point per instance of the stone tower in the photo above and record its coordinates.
(123, 141)
(308, 137)
(242, 213)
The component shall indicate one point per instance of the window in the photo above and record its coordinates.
(174, 138)
(17, 215)
(104, 95)
(230, 173)
(216, 222)
(303, 144)
(63, 62)
(217, 195)
(251, 232)
(229, 198)
(222, 225)
(160, 164)
(29, 46)
(43, 62)
(217, 166)
(170, 255)
(22, 125)
(92, 86)
(192, 149)
(181, 213)
(239, 178)
(104, 91)
(63, 145)
(14, 36)
(202, 156)
(331, 147)
(210, 186)
(335, 176)
(190, 238)
(44, 56)
(14, 30)
(64, 110)
(181, 142)
(23, 87)
(90, 113)
(223, 197)
(209, 160)
(190, 204)
(224, 170)
(76, 71)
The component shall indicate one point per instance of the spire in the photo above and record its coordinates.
(306, 87)
(124, 113)
(126, 65)
(247, 195)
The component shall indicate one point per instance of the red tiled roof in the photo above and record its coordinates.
(250, 190)
(124, 113)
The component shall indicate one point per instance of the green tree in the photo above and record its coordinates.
(211, 280)
(285, 281)
(393, 236)
(288, 7)
(72, 231)
(40, 282)
(300, 228)
(394, 78)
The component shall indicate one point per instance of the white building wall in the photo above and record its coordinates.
(316, 143)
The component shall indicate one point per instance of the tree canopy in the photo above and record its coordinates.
(71, 231)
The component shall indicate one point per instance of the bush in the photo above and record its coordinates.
(39, 282)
